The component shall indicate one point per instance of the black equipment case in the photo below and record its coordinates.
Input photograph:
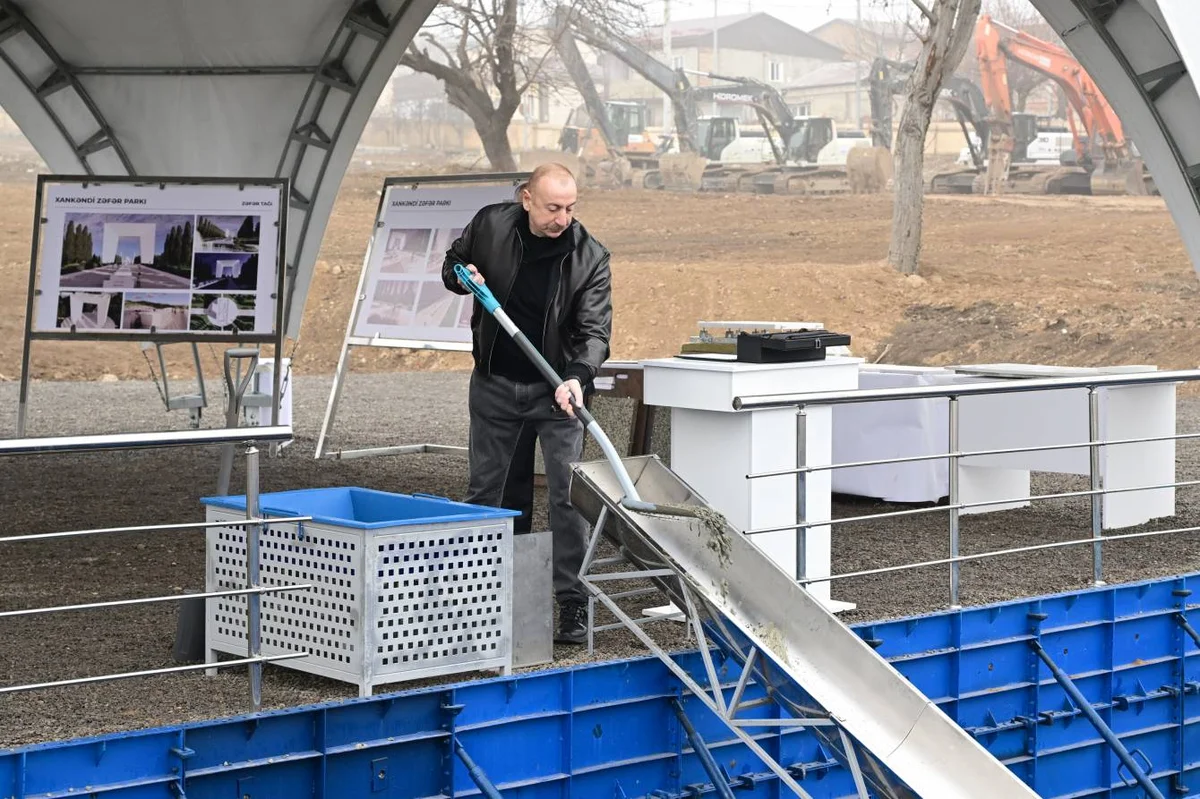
(788, 346)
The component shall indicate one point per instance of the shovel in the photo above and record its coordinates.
(632, 500)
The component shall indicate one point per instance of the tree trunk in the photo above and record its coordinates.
(497, 148)
(908, 201)
(951, 24)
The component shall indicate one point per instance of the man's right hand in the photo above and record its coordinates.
(475, 276)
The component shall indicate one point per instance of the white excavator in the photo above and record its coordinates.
(783, 154)
(801, 154)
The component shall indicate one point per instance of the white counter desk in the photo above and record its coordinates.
(714, 447)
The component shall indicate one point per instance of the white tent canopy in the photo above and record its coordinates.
(206, 88)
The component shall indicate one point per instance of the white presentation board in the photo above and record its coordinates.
(401, 300)
(148, 259)
(165, 259)
(403, 297)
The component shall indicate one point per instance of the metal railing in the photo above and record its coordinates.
(954, 454)
(253, 523)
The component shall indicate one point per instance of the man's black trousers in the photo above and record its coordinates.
(507, 418)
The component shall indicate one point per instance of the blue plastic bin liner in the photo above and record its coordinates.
(363, 508)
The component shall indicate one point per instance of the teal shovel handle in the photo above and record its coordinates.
(482, 293)
(492, 306)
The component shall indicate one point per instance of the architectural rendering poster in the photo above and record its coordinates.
(131, 258)
(405, 299)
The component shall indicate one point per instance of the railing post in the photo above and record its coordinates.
(1094, 475)
(801, 494)
(253, 601)
(953, 501)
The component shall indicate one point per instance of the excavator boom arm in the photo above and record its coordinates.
(995, 42)
(671, 82)
(889, 77)
(568, 51)
(773, 113)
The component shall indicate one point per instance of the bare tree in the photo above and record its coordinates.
(945, 30)
(488, 53)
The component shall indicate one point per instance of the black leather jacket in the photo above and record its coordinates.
(579, 315)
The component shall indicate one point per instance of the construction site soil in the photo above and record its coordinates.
(1072, 281)
(1065, 280)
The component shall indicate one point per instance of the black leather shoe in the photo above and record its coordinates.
(572, 623)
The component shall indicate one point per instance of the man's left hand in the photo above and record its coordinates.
(564, 394)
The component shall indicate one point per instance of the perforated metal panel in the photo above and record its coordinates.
(442, 598)
(322, 621)
(387, 605)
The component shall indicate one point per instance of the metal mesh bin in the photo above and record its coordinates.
(404, 586)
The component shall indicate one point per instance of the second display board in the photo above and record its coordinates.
(404, 297)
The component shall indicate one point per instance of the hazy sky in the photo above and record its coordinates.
(804, 14)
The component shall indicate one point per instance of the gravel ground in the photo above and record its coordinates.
(64, 492)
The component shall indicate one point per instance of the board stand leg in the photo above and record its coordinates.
(339, 374)
(237, 379)
(194, 404)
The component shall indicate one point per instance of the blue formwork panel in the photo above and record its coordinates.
(610, 729)
(1122, 647)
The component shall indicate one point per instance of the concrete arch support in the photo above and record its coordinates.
(1139, 53)
(356, 65)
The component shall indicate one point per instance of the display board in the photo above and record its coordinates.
(156, 259)
(403, 297)
(401, 300)
(120, 258)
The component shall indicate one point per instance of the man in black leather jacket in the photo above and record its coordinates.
(552, 279)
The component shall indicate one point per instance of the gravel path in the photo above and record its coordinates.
(63, 492)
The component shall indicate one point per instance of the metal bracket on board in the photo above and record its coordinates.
(194, 404)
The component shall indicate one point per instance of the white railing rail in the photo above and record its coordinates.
(251, 438)
(953, 393)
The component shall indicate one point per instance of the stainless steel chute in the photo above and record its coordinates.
(895, 741)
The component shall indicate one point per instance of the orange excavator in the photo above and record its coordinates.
(1104, 161)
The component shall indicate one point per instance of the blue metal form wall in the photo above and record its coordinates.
(610, 729)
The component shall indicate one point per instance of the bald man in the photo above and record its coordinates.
(552, 278)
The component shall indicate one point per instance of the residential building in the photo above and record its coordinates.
(890, 38)
(415, 113)
(838, 90)
(842, 91)
(752, 45)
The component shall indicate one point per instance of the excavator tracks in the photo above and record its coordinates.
(820, 182)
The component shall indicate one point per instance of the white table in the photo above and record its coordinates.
(1029, 419)
(714, 447)
(894, 429)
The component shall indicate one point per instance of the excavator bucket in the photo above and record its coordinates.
(609, 172)
(869, 170)
(682, 171)
(1125, 179)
